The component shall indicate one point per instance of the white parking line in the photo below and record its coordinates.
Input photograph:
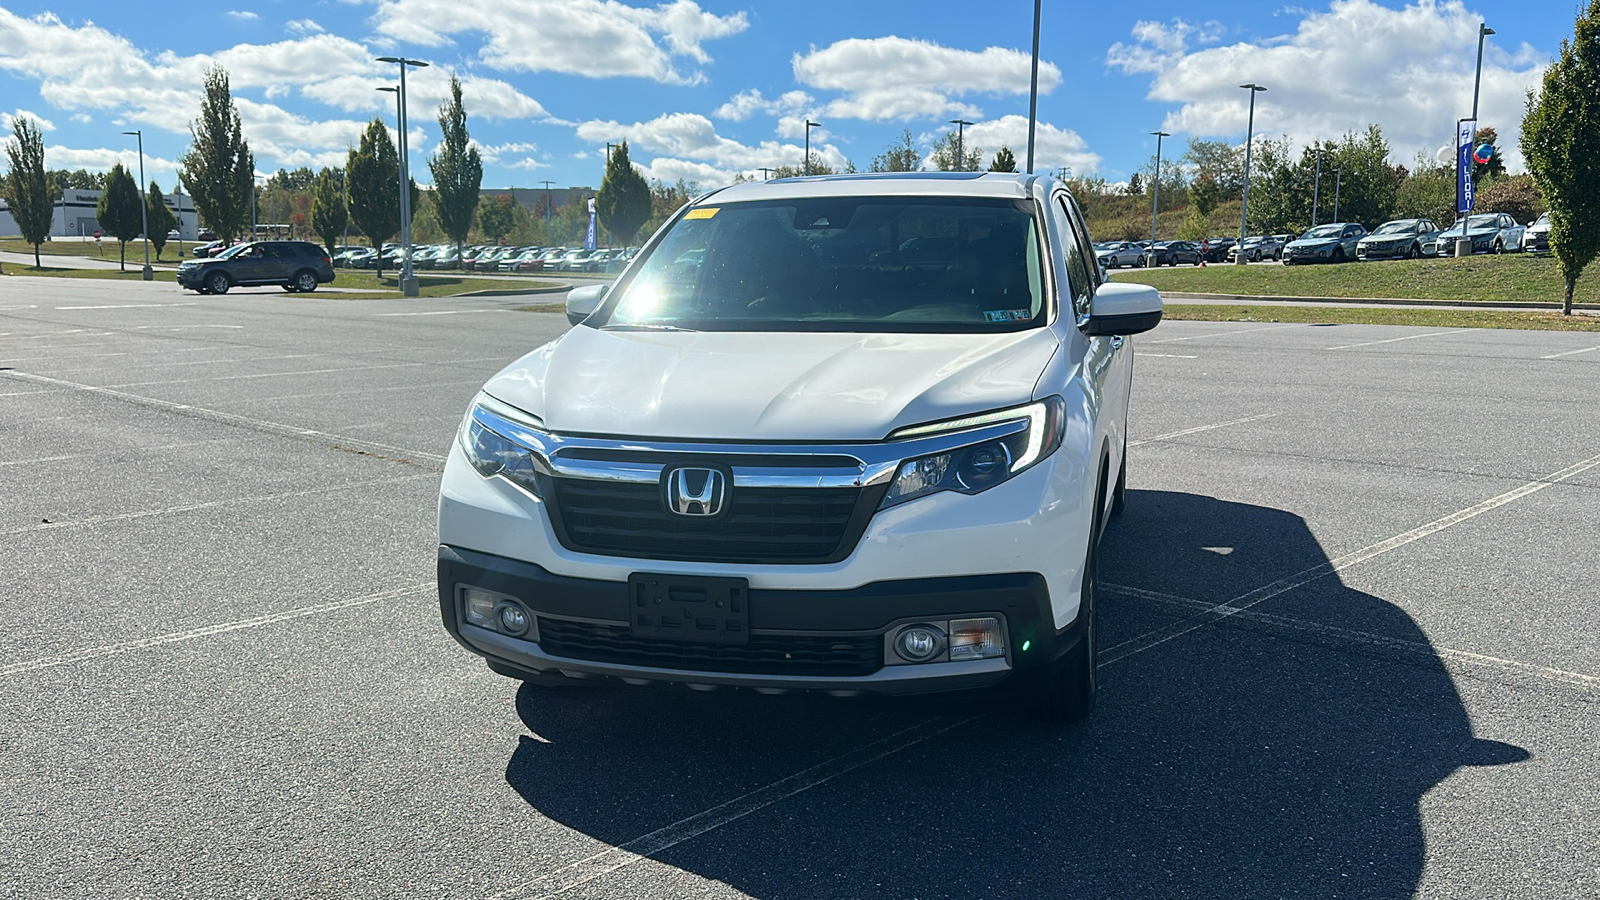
(128, 306)
(1196, 337)
(255, 375)
(1409, 337)
(72, 656)
(29, 306)
(1570, 353)
(610, 860)
(441, 312)
(1283, 585)
(1166, 355)
(1200, 428)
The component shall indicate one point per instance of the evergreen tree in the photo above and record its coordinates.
(374, 172)
(27, 191)
(1561, 141)
(218, 171)
(1004, 161)
(161, 219)
(623, 203)
(457, 170)
(328, 213)
(119, 211)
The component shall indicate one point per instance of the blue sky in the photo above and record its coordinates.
(705, 89)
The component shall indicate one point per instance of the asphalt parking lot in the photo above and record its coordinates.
(1349, 639)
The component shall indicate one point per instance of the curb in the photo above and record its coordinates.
(1379, 301)
(559, 289)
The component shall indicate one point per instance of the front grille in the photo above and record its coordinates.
(761, 524)
(817, 655)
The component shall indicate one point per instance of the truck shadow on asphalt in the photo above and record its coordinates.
(1240, 759)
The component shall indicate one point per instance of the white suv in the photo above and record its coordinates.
(851, 434)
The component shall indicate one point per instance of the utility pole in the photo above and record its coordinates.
(1249, 142)
(1155, 199)
(144, 207)
(547, 202)
(408, 281)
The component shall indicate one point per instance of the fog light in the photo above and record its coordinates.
(976, 639)
(480, 607)
(513, 620)
(919, 643)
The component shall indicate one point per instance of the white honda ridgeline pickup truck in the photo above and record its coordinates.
(849, 434)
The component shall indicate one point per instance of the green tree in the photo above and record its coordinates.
(328, 213)
(948, 147)
(623, 203)
(27, 191)
(1428, 192)
(817, 167)
(496, 217)
(1004, 161)
(457, 170)
(1135, 185)
(1515, 195)
(1219, 161)
(900, 156)
(374, 171)
(119, 211)
(161, 219)
(218, 170)
(1561, 141)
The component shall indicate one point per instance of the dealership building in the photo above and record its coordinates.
(73, 215)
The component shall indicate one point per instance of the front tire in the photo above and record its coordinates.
(218, 283)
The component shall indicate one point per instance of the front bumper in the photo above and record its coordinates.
(1020, 600)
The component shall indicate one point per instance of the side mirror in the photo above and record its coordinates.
(1105, 274)
(1120, 308)
(585, 300)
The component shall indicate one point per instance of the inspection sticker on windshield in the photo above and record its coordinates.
(1008, 315)
(704, 212)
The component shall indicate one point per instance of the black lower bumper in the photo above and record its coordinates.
(1021, 600)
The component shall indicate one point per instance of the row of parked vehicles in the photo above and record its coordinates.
(488, 258)
(1340, 242)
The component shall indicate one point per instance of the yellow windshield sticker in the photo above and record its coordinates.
(704, 212)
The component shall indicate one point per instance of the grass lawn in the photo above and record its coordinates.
(108, 250)
(1516, 277)
(133, 273)
(1385, 315)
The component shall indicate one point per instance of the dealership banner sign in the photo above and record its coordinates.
(1465, 128)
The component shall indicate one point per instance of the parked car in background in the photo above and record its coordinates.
(1171, 253)
(511, 262)
(1537, 237)
(1489, 233)
(1334, 242)
(447, 258)
(1401, 238)
(206, 234)
(1121, 253)
(201, 251)
(299, 266)
(573, 260)
(1216, 248)
(1255, 249)
(653, 497)
(620, 259)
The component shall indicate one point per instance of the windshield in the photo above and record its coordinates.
(233, 251)
(1405, 225)
(854, 264)
(1322, 231)
(1475, 223)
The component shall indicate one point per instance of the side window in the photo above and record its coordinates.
(1078, 278)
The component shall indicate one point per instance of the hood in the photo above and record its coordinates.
(768, 386)
(1313, 243)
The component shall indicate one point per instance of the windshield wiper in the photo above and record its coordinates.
(640, 326)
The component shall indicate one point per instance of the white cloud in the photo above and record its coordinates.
(594, 38)
(304, 26)
(671, 171)
(898, 78)
(101, 159)
(243, 15)
(744, 104)
(493, 153)
(1052, 147)
(1409, 70)
(8, 121)
(691, 140)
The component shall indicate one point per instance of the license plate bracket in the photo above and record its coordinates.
(689, 608)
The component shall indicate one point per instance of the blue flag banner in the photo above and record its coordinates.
(1464, 131)
(588, 240)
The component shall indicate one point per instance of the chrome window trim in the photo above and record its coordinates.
(878, 460)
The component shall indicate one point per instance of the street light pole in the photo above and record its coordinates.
(766, 173)
(961, 143)
(1483, 31)
(1033, 85)
(1338, 182)
(1249, 142)
(395, 90)
(547, 202)
(408, 281)
(144, 207)
(1316, 188)
(809, 125)
(1155, 200)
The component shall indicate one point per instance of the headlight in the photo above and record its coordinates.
(491, 453)
(980, 466)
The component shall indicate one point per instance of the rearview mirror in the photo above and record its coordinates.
(583, 301)
(1120, 308)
